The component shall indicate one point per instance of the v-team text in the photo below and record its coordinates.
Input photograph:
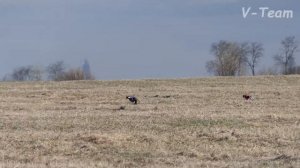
(266, 12)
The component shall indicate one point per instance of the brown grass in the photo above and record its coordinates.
(178, 123)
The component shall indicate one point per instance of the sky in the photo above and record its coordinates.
(137, 39)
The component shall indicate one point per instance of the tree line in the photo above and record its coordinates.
(56, 71)
(234, 59)
(230, 59)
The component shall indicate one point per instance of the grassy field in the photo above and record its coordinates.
(177, 123)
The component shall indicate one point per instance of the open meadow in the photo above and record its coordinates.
(201, 122)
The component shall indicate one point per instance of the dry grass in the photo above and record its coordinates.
(178, 123)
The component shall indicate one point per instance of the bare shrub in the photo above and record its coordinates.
(72, 74)
(294, 70)
(28, 73)
(57, 72)
(268, 71)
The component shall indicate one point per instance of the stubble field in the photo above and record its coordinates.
(177, 123)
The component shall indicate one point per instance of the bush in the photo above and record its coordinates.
(28, 73)
(294, 70)
(269, 71)
(72, 74)
(57, 72)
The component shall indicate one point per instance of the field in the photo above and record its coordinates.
(201, 122)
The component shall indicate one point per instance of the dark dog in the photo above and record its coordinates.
(247, 97)
(132, 99)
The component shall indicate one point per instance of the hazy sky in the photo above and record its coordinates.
(132, 39)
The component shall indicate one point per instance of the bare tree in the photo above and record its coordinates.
(255, 51)
(56, 70)
(229, 59)
(286, 57)
(28, 73)
(20, 74)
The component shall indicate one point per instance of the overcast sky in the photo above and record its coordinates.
(134, 39)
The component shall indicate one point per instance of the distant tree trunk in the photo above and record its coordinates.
(253, 71)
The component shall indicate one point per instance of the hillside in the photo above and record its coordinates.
(177, 123)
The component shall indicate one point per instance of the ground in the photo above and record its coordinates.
(201, 122)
